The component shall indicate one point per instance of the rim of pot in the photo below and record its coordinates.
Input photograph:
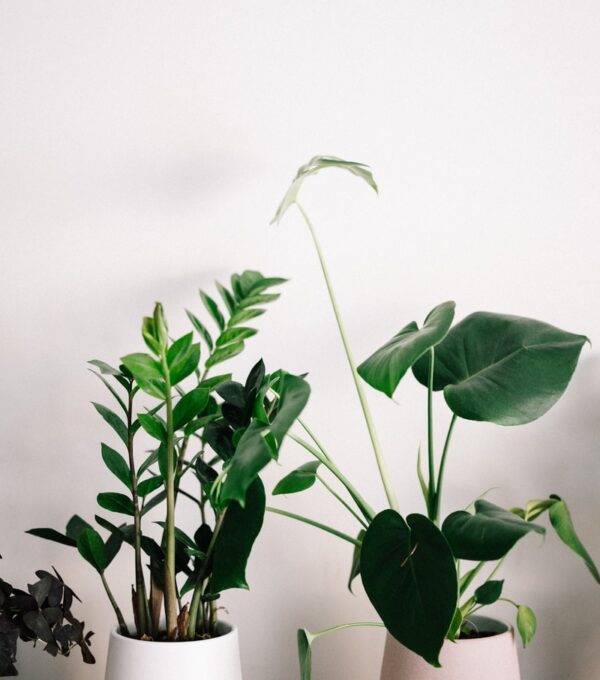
(226, 628)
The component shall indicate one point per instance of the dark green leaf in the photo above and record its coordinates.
(52, 535)
(526, 624)
(502, 369)
(232, 392)
(314, 165)
(234, 543)
(384, 369)
(75, 526)
(213, 310)
(189, 406)
(112, 547)
(91, 548)
(355, 567)
(113, 420)
(116, 502)
(116, 464)
(149, 485)
(489, 592)
(293, 396)
(153, 426)
(201, 328)
(185, 364)
(111, 389)
(211, 383)
(150, 460)
(409, 575)
(560, 517)
(300, 479)
(489, 534)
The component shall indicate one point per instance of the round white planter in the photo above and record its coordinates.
(214, 659)
(492, 658)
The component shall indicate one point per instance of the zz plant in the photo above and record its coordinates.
(219, 432)
(419, 572)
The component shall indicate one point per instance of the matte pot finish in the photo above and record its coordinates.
(485, 658)
(214, 659)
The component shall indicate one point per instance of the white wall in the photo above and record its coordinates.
(144, 148)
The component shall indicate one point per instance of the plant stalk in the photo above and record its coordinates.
(121, 621)
(314, 523)
(440, 479)
(381, 464)
(430, 451)
(334, 493)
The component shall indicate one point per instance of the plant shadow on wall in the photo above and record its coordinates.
(214, 432)
(426, 577)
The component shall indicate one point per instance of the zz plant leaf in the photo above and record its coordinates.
(300, 479)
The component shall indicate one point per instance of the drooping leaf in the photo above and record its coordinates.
(489, 592)
(300, 479)
(252, 454)
(234, 543)
(537, 507)
(116, 502)
(91, 547)
(526, 624)
(113, 420)
(115, 462)
(314, 165)
(304, 639)
(502, 369)
(52, 535)
(104, 368)
(561, 520)
(409, 574)
(488, 534)
(384, 369)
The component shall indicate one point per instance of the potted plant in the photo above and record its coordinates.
(42, 613)
(206, 428)
(428, 579)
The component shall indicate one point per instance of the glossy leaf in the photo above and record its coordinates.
(526, 624)
(184, 363)
(224, 353)
(147, 373)
(293, 396)
(387, 366)
(234, 543)
(213, 309)
(91, 547)
(75, 526)
(560, 518)
(235, 335)
(116, 502)
(408, 572)
(502, 369)
(115, 462)
(153, 426)
(316, 164)
(52, 535)
(189, 406)
(201, 328)
(149, 485)
(300, 479)
(488, 534)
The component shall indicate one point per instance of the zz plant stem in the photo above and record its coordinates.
(381, 464)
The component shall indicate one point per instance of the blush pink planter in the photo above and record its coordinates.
(214, 659)
(492, 658)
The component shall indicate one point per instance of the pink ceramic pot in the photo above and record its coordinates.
(492, 658)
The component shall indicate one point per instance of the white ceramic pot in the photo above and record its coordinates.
(492, 658)
(214, 659)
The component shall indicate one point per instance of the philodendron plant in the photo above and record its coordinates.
(42, 613)
(220, 432)
(424, 576)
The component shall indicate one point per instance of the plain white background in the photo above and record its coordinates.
(144, 148)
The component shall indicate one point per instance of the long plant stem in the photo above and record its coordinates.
(430, 451)
(310, 433)
(344, 626)
(115, 606)
(383, 472)
(314, 523)
(363, 506)
(170, 585)
(334, 493)
(440, 479)
(142, 606)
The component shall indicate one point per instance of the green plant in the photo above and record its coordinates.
(42, 613)
(490, 367)
(243, 424)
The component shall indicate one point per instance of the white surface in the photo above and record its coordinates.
(144, 148)
(214, 659)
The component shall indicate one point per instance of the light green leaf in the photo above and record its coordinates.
(213, 309)
(224, 353)
(153, 426)
(300, 479)
(184, 364)
(526, 624)
(147, 373)
(387, 366)
(502, 369)
(235, 334)
(189, 406)
(316, 164)
(201, 328)
(560, 518)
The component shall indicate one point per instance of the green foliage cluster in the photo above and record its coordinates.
(419, 572)
(210, 428)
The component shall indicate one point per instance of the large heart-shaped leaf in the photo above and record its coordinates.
(502, 369)
(408, 572)
(240, 528)
(384, 369)
(488, 534)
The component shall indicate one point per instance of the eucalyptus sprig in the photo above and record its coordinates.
(495, 368)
